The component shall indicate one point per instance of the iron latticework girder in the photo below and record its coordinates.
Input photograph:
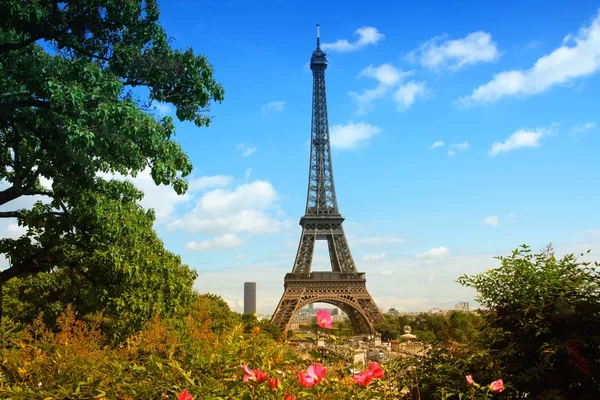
(321, 198)
(344, 287)
(348, 293)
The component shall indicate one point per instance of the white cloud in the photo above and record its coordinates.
(510, 217)
(387, 77)
(247, 174)
(386, 74)
(223, 242)
(491, 221)
(400, 281)
(437, 144)
(376, 240)
(163, 109)
(406, 94)
(274, 106)
(254, 195)
(436, 252)
(367, 35)
(577, 57)
(239, 257)
(460, 146)
(521, 138)
(251, 221)
(581, 130)
(368, 96)
(244, 209)
(352, 135)
(374, 257)
(246, 149)
(161, 198)
(476, 47)
(457, 146)
(13, 231)
(208, 182)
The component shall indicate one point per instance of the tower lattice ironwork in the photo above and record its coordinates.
(343, 287)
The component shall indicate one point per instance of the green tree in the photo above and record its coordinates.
(542, 323)
(271, 329)
(223, 318)
(463, 326)
(76, 91)
(389, 329)
(250, 321)
(112, 262)
(435, 323)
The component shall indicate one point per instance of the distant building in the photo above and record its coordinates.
(335, 311)
(463, 306)
(249, 297)
(393, 311)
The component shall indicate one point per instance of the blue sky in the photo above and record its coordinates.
(460, 131)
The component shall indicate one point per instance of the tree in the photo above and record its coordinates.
(271, 329)
(389, 328)
(250, 322)
(542, 323)
(223, 319)
(111, 262)
(71, 108)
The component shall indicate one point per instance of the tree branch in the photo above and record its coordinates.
(19, 214)
(20, 269)
(14, 192)
(6, 47)
(38, 192)
(10, 214)
(9, 195)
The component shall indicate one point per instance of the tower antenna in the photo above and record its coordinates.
(318, 35)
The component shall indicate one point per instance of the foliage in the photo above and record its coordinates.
(457, 326)
(271, 329)
(115, 264)
(72, 108)
(218, 354)
(162, 360)
(441, 373)
(542, 323)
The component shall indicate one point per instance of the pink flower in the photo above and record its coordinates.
(314, 374)
(317, 371)
(254, 374)
(305, 380)
(376, 370)
(249, 374)
(185, 395)
(497, 386)
(364, 378)
(324, 319)
(470, 380)
(273, 383)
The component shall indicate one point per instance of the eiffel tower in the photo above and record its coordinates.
(343, 287)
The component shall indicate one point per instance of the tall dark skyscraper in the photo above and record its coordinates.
(249, 297)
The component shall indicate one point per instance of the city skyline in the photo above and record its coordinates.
(459, 132)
